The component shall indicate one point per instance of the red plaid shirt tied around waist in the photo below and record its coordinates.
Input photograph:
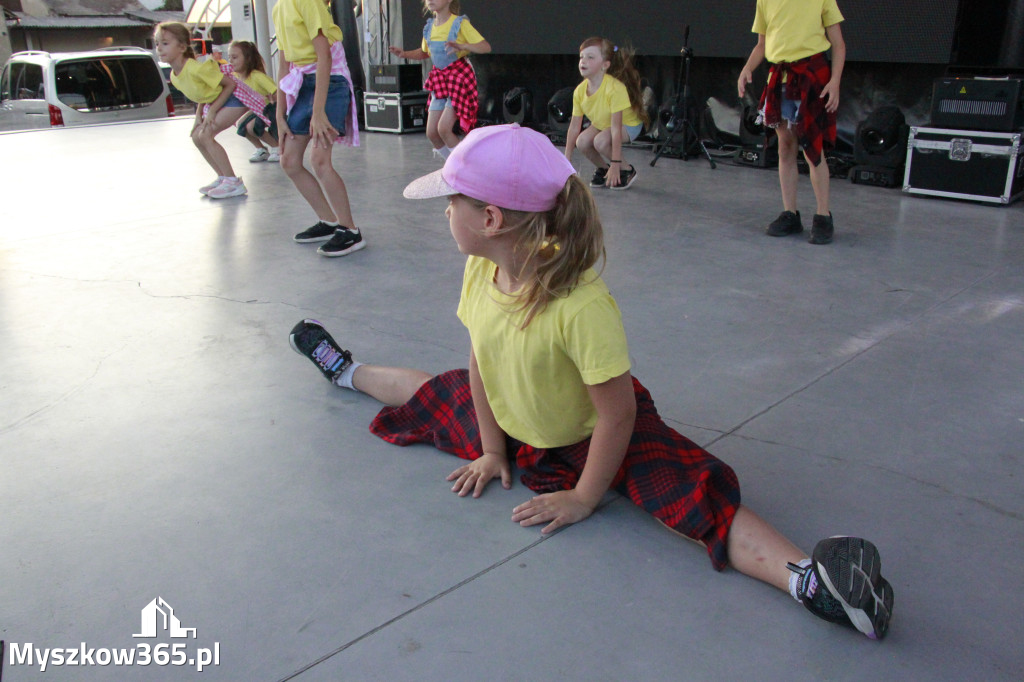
(672, 478)
(456, 83)
(803, 81)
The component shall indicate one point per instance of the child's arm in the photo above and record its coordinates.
(283, 132)
(320, 129)
(615, 403)
(575, 128)
(755, 59)
(482, 47)
(615, 167)
(475, 476)
(831, 90)
(418, 53)
(227, 86)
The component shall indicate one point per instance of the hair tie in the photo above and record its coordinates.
(615, 48)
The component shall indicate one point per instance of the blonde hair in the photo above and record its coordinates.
(553, 248)
(179, 32)
(621, 58)
(251, 58)
(453, 7)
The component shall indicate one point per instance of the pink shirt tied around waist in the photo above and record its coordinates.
(253, 101)
(292, 83)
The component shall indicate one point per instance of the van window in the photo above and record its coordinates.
(27, 81)
(108, 83)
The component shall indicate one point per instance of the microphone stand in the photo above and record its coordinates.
(680, 121)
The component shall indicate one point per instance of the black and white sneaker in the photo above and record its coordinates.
(344, 242)
(320, 232)
(626, 178)
(309, 338)
(599, 177)
(844, 585)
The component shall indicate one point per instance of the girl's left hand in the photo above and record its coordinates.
(614, 176)
(321, 130)
(558, 509)
(451, 47)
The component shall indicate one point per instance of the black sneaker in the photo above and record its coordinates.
(626, 179)
(786, 224)
(844, 585)
(309, 338)
(344, 242)
(320, 232)
(822, 229)
(599, 177)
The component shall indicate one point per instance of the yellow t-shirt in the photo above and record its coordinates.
(299, 21)
(610, 97)
(794, 29)
(199, 81)
(261, 83)
(467, 34)
(536, 378)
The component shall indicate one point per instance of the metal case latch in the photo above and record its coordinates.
(960, 149)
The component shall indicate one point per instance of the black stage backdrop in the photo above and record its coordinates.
(917, 31)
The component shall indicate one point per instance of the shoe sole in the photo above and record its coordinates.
(312, 240)
(361, 244)
(851, 570)
(820, 240)
(782, 233)
(228, 196)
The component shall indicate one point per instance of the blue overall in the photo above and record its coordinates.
(439, 54)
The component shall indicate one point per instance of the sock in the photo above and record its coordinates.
(444, 152)
(796, 579)
(345, 378)
(331, 223)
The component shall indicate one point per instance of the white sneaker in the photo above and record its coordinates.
(231, 187)
(260, 154)
(205, 189)
(275, 155)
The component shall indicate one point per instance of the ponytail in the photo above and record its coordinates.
(554, 248)
(622, 68)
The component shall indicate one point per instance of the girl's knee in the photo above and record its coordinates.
(322, 165)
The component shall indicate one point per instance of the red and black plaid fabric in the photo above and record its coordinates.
(671, 477)
(804, 80)
(456, 83)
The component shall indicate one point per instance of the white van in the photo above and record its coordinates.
(44, 90)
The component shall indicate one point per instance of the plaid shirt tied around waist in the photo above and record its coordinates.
(802, 80)
(456, 83)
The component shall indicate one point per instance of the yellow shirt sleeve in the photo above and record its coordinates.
(261, 83)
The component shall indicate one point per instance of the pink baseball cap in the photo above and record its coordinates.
(507, 166)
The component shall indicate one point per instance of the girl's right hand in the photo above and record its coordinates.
(397, 51)
(475, 476)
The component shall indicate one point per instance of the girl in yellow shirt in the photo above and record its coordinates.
(205, 84)
(609, 97)
(248, 67)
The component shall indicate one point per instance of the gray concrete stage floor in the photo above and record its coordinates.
(159, 438)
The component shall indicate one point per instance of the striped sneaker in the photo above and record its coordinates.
(844, 585)
(309, 338)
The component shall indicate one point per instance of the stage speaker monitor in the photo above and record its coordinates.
(560, 110)
(881, 139)
(517, 106)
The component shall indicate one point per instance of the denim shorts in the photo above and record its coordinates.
(233, 102)
(338, 98)
(438, 104)
(633, 132)
(790, 109)
(258, 126)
